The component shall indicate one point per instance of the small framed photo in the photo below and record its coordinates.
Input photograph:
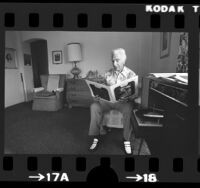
(10, 58)
(164, 44)
(57, 57)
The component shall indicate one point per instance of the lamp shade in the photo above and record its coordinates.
(74, 52)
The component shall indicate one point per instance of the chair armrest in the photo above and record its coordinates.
(59, 89)
(59, 92)
(35, 90)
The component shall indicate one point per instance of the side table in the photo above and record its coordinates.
(145, 130)
(78, 93)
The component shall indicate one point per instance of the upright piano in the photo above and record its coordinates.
(168, 92)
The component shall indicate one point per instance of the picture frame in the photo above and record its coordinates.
(27, 60)
(165, 39)
(182, 65)
(57, 57)
(10, 58)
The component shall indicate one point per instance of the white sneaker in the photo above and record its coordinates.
(94, 144)
(127, 147)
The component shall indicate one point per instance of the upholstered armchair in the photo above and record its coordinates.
(113, 119)
(49, 97)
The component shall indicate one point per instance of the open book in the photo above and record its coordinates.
(123, 90)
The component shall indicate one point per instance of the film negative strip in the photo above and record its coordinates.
(53, 130)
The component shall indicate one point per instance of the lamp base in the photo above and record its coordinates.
(75, 71)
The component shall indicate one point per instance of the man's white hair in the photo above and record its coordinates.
(120, 52)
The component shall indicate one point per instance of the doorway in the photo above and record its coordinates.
(39, 55)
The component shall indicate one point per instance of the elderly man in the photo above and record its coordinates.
(118, 73)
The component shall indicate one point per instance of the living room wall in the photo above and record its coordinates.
(143, 50)
(28, 73)
(96, 47)
(168, 63)
(14, 92)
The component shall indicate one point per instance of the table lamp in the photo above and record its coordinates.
(75, 56)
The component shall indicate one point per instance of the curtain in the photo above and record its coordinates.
(182, 65)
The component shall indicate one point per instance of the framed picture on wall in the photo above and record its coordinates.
(182, 65)
(164, 44)
(10, 58)
(27, 59)
(57, 57)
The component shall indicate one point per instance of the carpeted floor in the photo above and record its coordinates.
(61, 132)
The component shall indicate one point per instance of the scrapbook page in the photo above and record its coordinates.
(114, 93)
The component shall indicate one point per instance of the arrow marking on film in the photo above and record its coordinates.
(137, 177)
(40, 177)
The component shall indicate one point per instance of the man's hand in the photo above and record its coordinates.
(123, 100)
(132, 98)
(97, 98)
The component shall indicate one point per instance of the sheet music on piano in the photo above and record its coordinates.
(181, 78)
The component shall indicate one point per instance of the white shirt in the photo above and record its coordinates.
(115, 77)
